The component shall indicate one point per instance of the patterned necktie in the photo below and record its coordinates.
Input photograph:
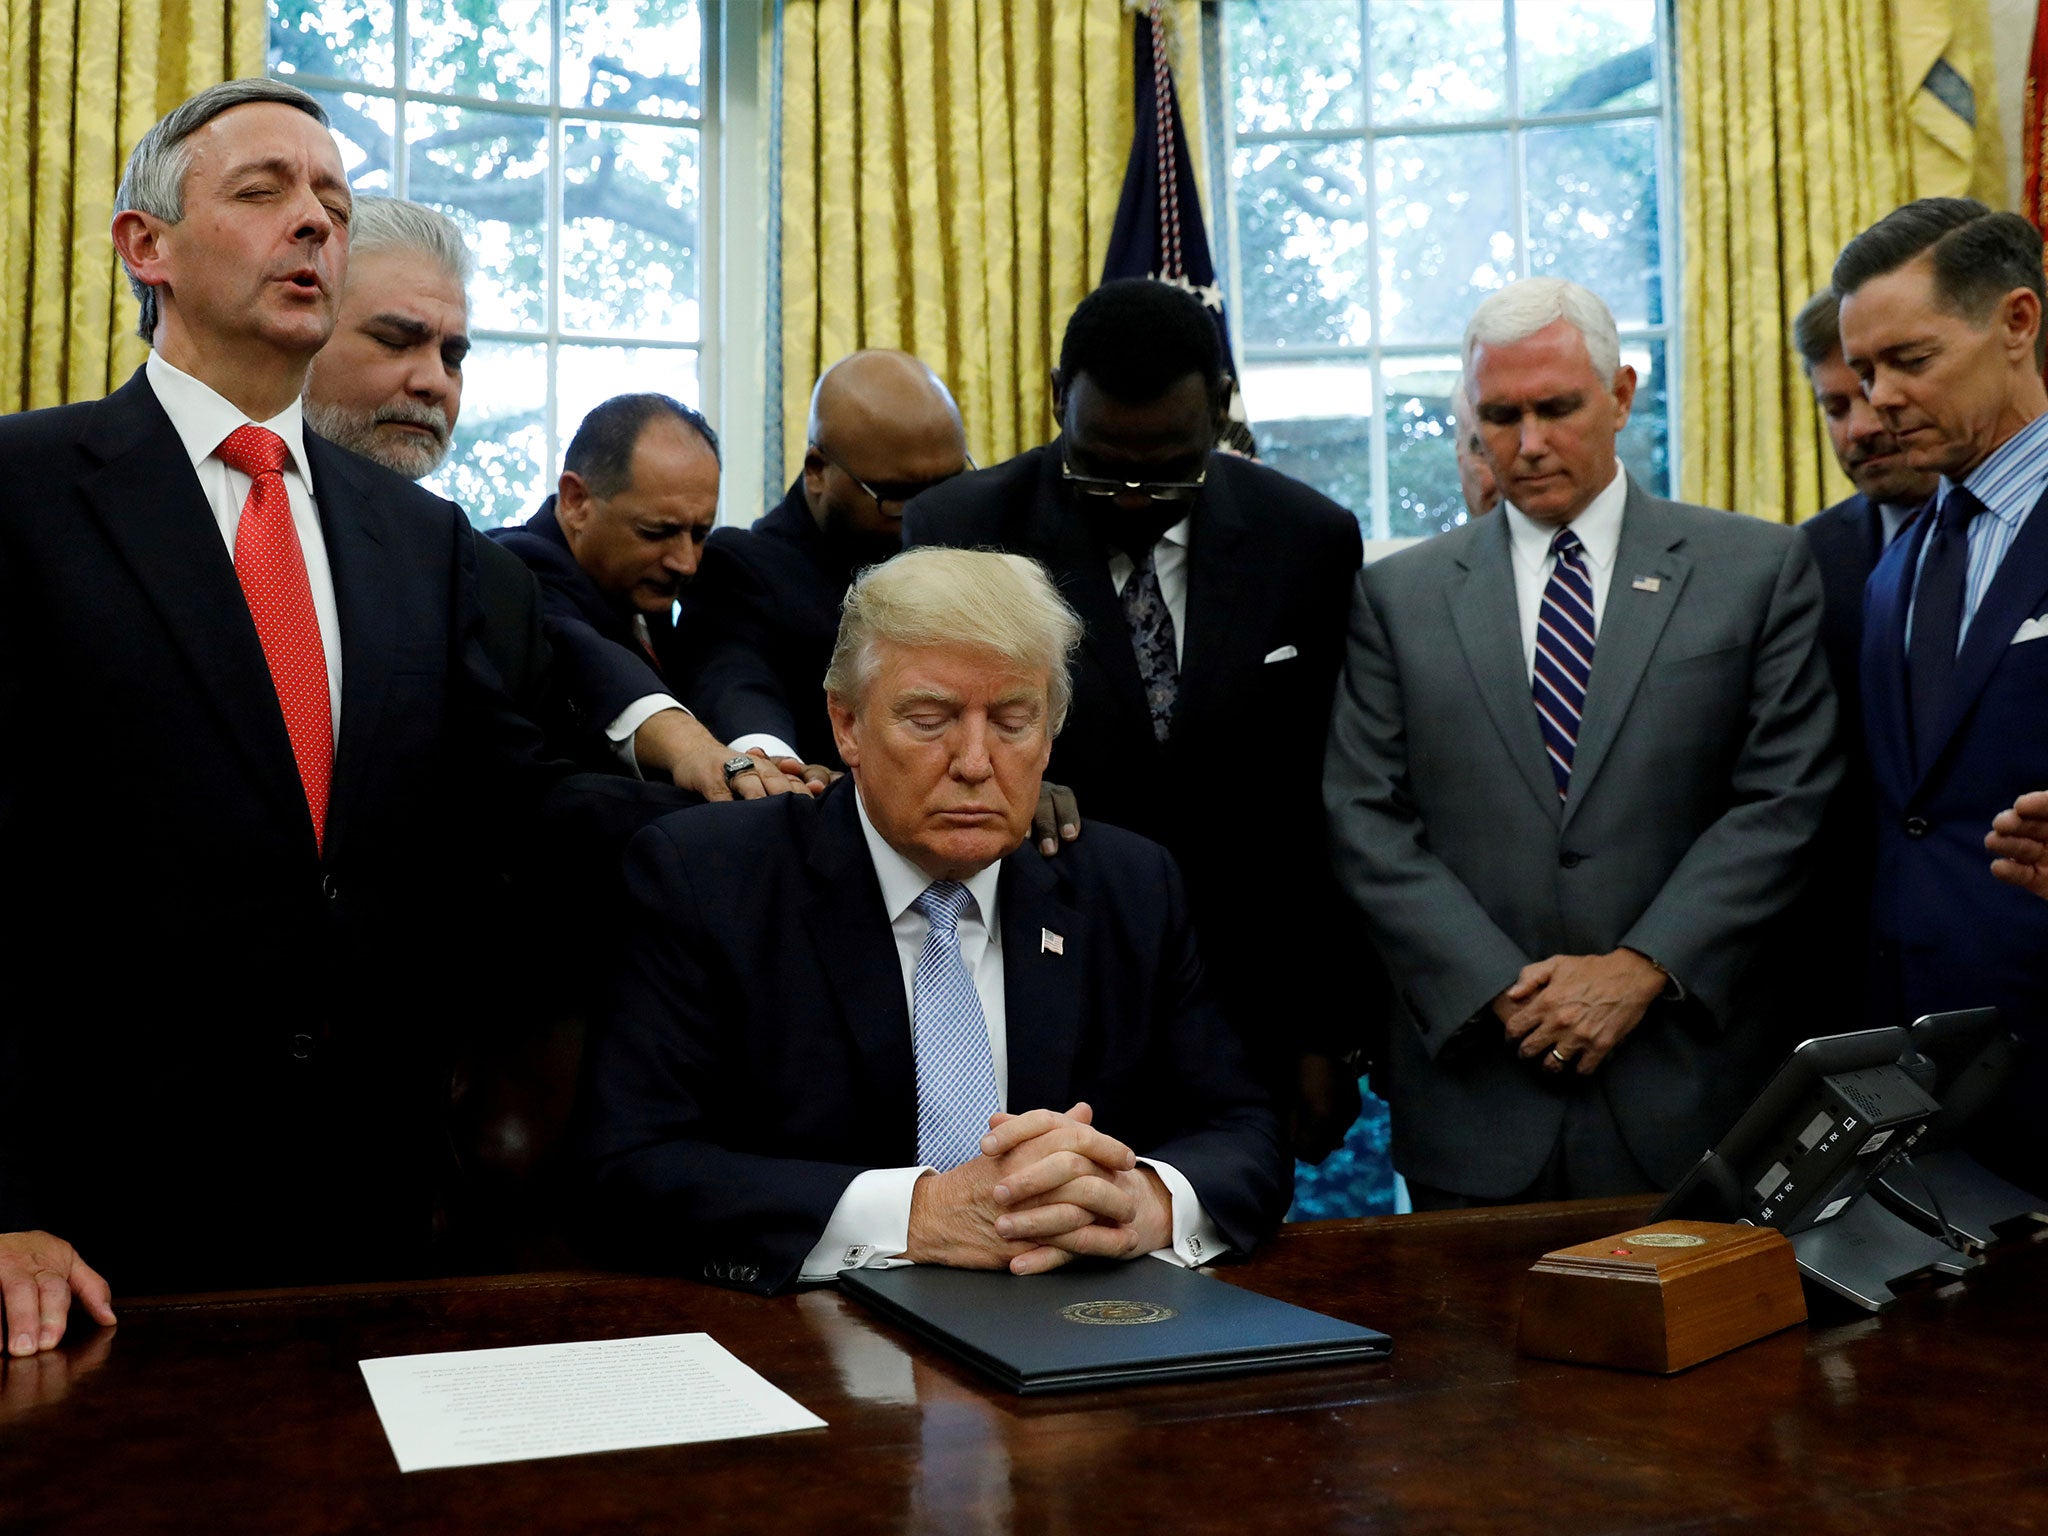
(1938, 621)
(272, 570)
(1151, 624)
(956, 1075)
(1564, 654)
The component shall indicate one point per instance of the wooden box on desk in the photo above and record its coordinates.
(1663, 1297)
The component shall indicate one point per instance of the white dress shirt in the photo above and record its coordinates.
(1599, 530)
(636, 714)
(1170, 564)
(203, 421)
(870, 1227)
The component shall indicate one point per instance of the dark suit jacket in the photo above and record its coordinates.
(760, 1054)
(223, 1052)
(1233, 795)
(1704, 761)
(604, 668)
(1948, 934)
(769, 601)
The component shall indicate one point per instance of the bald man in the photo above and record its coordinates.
(882, 428)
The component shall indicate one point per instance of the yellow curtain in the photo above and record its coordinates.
(950, 171)
(1803, 123)
(84, 79)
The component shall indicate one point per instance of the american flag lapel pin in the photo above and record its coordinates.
(1050, 943)
(1648, 584)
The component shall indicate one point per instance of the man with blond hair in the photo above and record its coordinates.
(1577, 755)
(868, 1029)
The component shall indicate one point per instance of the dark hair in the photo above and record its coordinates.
(1817, 329)
(601, 452)
(1137, 337)
(1979, 256)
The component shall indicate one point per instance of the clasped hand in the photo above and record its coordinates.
(1578, 1007)
(1047, 1188)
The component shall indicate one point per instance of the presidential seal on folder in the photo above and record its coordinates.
(1662, 1297)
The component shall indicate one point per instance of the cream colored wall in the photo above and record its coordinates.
(2012, 36)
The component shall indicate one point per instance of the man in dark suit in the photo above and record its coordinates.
(1578, 755)
(882, 428)
(1847, 540)
(222, 1053)
(849, 1027)
(1941, 319)
(613, 549)
(1213, 591)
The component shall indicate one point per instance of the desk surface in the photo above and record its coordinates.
(247, 1413)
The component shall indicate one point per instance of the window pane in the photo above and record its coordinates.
(1314, 421)
(629, 233)
(1446, 231)
(343, 39)
(1645, 443)
(488, 172)
(1297, 64)
(1301, 230)
(1586, 55)
(1422, 466)
(494, 48)
(634, 56)
(1593, 214)
(362, 126)
(587, 376)
(497, 471)
(1438, 61)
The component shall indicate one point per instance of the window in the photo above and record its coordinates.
(566, 138)
(1390, 164)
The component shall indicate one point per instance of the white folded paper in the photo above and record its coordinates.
(466, 1408)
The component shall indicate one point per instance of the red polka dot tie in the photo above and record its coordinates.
(272, 569)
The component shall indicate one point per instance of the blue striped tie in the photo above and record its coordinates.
(1564, 654)
(956, 1075)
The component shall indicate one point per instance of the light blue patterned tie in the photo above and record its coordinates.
(956, 1076)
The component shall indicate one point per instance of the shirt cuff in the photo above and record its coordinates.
(774, 746)
(636, 714)
(870, 1226)
(1196, 1239)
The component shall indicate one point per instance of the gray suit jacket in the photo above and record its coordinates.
(1704, 761)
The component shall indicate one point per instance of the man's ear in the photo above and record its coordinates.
(814, 472)
(844, 736)
(1059, 398)
(2021, 317)
(138, 240)
(572, 502)
(1219, 405)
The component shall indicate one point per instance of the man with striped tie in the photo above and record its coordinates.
(1577, 758)
(874, 1028)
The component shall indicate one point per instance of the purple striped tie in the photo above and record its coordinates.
(1564, 654)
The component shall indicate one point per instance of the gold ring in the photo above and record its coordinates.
(1559, 1057)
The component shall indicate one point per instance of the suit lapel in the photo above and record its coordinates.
(352, 523)
(1041, 988)
(1630, 627)
(848, 925)
(1883, 663)
(146, 497)
(1486, 613)
(1216, 621)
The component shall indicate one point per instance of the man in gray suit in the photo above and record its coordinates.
(1578, 754)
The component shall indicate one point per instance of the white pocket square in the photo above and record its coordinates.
(1288, 653)
(2033, 629)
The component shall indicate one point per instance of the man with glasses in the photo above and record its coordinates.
(766, 600)
(1214, 593)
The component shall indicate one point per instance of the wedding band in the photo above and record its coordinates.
(1559, 1057)
(735, 766)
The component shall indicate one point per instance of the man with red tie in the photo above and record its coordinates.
(246, 719)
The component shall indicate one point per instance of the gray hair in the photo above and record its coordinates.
(1522, 309)
(960, 599)
(392, 224)
(154, 181)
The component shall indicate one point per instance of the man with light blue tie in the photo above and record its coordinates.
(1941, 318)
(868, 1029)
(1578, 754)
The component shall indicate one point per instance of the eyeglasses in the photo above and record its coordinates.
(1154, 490)
(894, 491)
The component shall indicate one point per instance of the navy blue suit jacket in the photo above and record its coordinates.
(768, 600)
(1948, 934)
(759, 1056)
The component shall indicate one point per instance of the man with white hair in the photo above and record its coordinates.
(873, 1028)
(1577, 755)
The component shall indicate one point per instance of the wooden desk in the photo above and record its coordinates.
(228, 1414)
